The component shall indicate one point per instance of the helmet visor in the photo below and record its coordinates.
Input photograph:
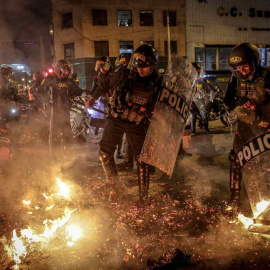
(65, 71)
(102, 64)
(139, 61)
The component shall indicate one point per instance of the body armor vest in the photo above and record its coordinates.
(138, 101)
(255, 92)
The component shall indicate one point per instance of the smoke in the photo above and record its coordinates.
(24, 21)
(185, 212)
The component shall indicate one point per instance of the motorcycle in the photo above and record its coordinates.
(210, 100)
(218, 110)
(85, 124)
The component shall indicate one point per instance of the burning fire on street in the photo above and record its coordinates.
(250, 223)
(71, 225)
(22, 241)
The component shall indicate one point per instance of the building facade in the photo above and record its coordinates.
(86, 30)
(213, 28)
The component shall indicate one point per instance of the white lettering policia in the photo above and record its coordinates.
(254, 148)
(174, 101)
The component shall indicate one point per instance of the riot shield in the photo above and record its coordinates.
(171, 112)
(203, 97)
(252, 145)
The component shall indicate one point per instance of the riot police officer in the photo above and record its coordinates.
(8, 93)
(117, 79)
(100, 86)
(59, 89)
(37, 80)
(131, 107)
(8, 88)
(248, 93)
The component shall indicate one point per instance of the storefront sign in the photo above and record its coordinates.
(252, 12)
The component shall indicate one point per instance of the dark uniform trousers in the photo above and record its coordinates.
(113, 132)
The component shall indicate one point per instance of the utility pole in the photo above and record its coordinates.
(169, 37)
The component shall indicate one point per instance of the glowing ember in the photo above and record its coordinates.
(26, 202)
(46, 196)
(64, 189)
(49, 207)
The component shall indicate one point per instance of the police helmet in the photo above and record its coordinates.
(144, 56)
(62, 68)
(244, 53)
(103, 62)
(38, 77)
(123, 59)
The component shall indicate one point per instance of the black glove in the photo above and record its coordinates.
(242, 100)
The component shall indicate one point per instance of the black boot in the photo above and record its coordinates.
(183, 152)
(235, 180)
(205, 123)
(109, 167)
(143, 180)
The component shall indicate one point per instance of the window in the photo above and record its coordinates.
(126, 46)
(67, 21)
(199, 56)
(69, 51)
(99, 17)
(152, 43)
(101, 48)
(213, 58)
(146, 18)
(173, 47)
(262, 55)
(124, 17)
(172, 17)
(224, 53)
